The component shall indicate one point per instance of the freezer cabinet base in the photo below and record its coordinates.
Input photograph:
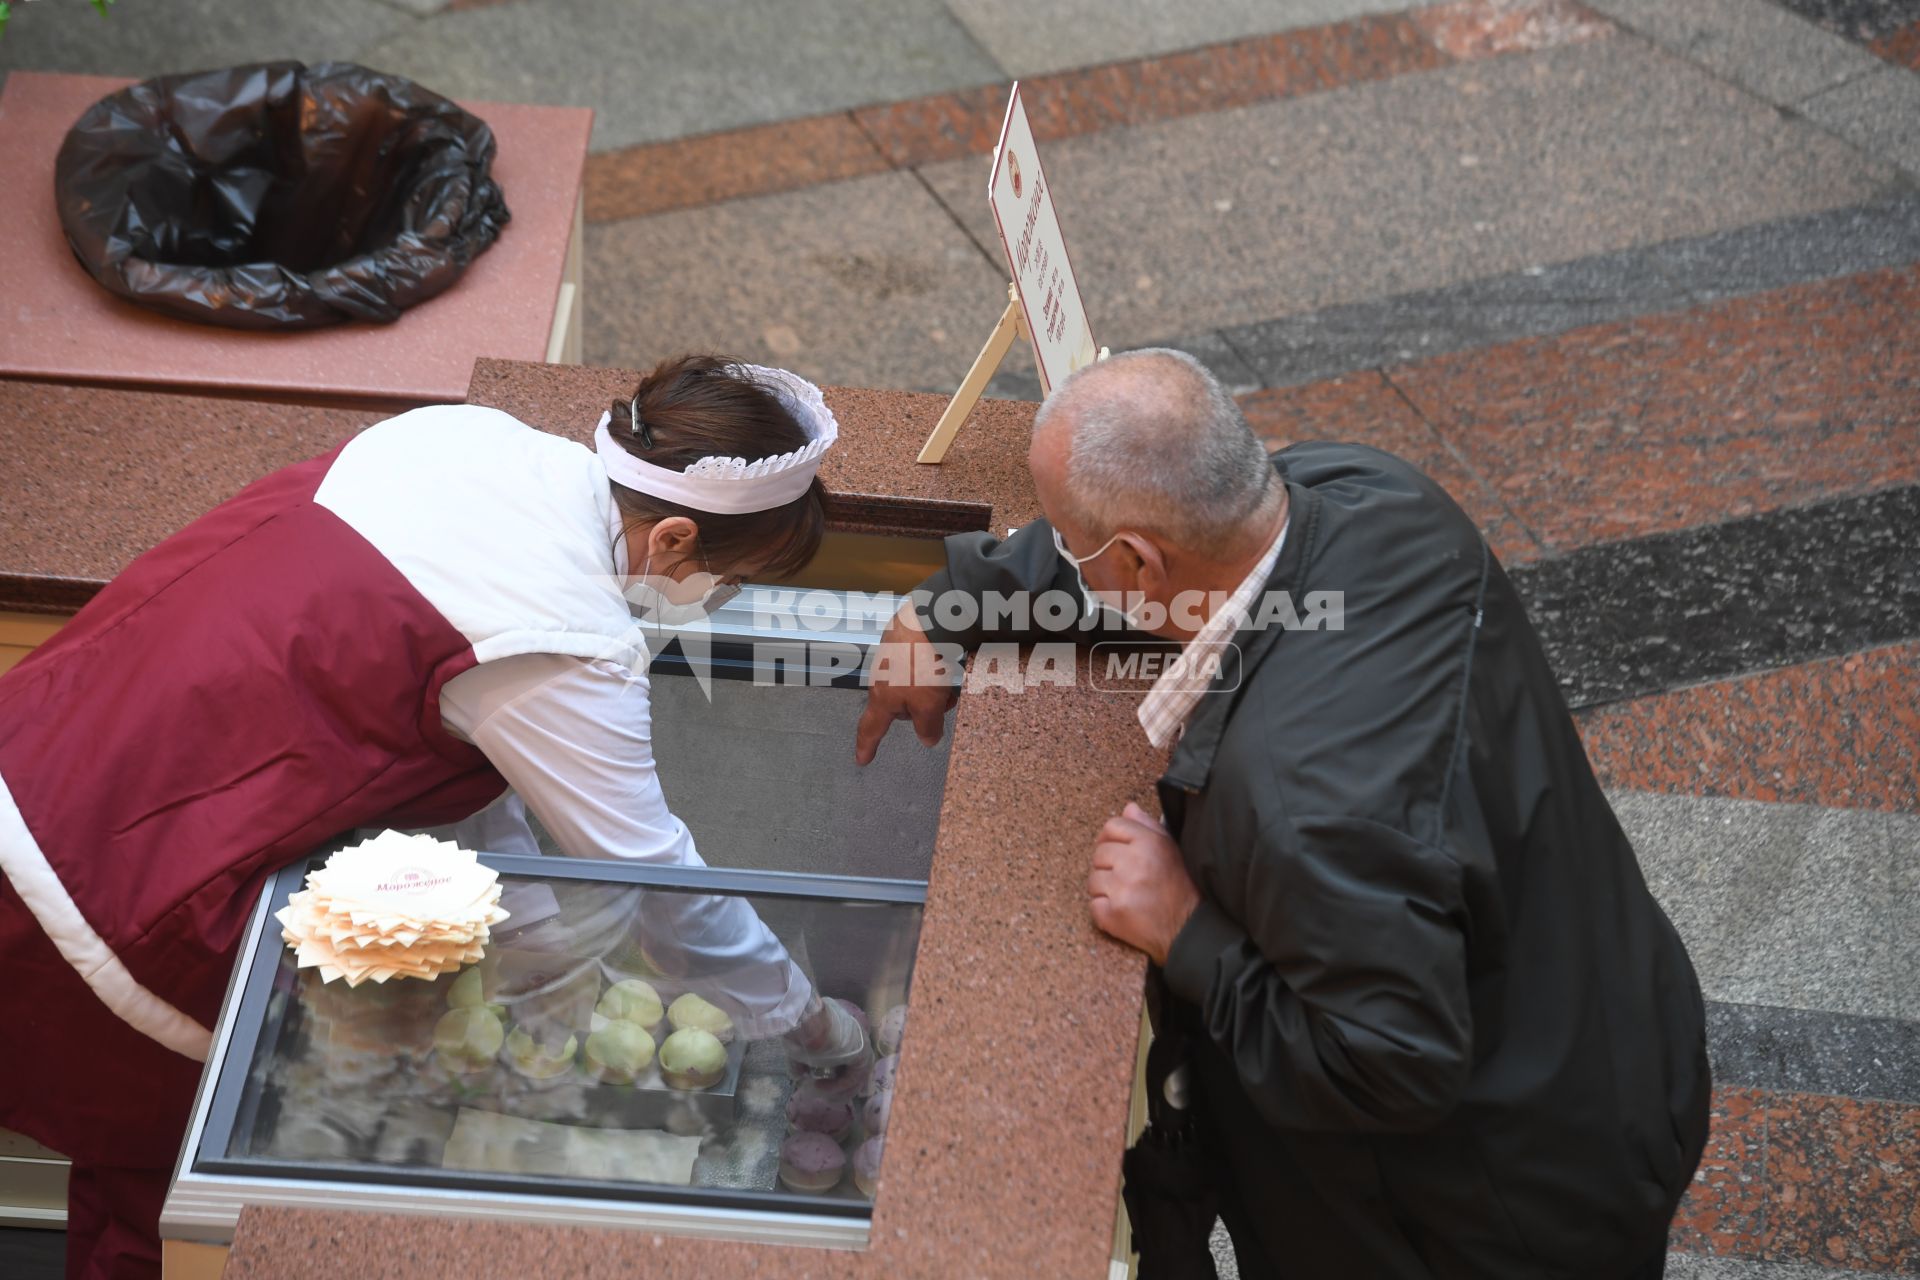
(184, 1260)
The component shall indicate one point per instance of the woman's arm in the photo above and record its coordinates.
(501, 827)
(574, 739)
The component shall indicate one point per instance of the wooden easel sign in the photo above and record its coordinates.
(1043, 302)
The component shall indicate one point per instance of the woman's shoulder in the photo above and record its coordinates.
(435, 419)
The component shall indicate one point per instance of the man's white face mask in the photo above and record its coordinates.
(1093, 602)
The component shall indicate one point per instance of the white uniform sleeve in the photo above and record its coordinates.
(574, 740)
(501, 827)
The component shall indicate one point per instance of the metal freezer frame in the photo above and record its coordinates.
(206, 1195)
(738, 642)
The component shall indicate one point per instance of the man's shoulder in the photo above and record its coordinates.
(1345, 466)
(1312, 462)
(1378, 528)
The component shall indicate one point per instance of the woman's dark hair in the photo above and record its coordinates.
(697, 406)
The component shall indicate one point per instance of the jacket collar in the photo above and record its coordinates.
(1192, 760)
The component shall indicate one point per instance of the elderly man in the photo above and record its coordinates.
(1435, 1025)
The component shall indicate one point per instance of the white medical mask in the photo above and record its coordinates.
(1092, 602)
(661, 600)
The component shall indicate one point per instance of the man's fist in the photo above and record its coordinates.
(1141, 892)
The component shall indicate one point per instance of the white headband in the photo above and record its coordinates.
(733, 486)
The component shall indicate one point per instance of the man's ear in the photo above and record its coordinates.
(1150, 572)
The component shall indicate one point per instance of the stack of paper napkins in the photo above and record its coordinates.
(410, 906)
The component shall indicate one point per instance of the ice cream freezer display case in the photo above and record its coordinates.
(615, 1058)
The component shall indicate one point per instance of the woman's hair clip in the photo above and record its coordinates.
(638, 427)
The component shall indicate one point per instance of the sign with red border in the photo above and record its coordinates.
(1023, 214)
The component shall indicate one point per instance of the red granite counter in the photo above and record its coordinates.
(97, 475)
(94, 476)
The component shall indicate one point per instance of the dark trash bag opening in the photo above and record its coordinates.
(277, 195)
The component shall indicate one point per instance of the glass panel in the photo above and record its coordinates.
(532, 1064)
(763, 776)
(757, 759)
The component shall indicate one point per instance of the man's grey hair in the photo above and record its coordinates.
(1158, 445)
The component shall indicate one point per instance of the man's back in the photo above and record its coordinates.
(1432, 966)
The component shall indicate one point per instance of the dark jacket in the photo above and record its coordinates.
(1442, 1028)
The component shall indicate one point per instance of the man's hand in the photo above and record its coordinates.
(910, 680)
(1141, 892)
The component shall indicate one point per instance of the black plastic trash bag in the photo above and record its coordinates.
(277, 195)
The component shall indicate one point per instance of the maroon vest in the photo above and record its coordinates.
(256, 684)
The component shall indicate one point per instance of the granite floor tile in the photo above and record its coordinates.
(160, 37)
(1541, 300)
(1469, 29)
(1029, 39)
(1844, 1178)
(427, 8)
(1877, 113)
(1219, 353)
(1017, 379)
(1226, 1266)
(655, 72)
(1901, 47)
(1363, 409)
(1698, 1266)
(1470, 171)
(761, 159)
(1626, 619)
(1665, 422)
(1725, 1209)
(1857, 19)
(863, 283)
(1212, 78)
(1238, 73)
(1754, 43)
(937, 126)
(1813, 1051)
(1785, 905)
(1844, 732)
(658, 177)
(1798, 1186)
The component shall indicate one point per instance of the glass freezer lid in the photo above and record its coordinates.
(546, 1069)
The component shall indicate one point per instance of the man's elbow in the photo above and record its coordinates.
(1406, 1086)
(1430, 1095)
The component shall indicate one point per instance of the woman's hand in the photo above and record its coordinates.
(827, 1038)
